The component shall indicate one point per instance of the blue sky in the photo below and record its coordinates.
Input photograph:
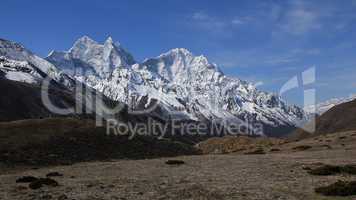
(267, 41)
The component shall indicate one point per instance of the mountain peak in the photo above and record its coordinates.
(181, 51)
(85, 38)
(109, 40)
(189, 58)
(52, 53)
(16, 51)
(92, 57)
(6, 45)
(186, 55)
(178, 52)
(83, 43)
(109, 43)
(179, 65)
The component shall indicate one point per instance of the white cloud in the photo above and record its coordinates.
(200, 16)
(209, 23)
(313, 51)
(218, 26)
(241, 20)
(237, 59)
(300, 21)
(237, 21)
(280, 60)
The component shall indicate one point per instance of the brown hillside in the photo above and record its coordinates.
(338, 119)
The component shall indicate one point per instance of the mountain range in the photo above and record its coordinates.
(183, 86)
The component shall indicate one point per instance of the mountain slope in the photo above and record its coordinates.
(23, 101)
(23, 97)
(59, 141)
(20, 71)
(338, 119)
(17, 52)
(186, 87)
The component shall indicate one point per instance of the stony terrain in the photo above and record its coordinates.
(274, 175)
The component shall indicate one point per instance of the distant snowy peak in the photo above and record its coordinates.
(322, 107)
(179, 65)
(89, 57)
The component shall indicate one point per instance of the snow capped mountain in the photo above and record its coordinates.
(322, 107)
(31, 68)
(89, 57)
(185, 86)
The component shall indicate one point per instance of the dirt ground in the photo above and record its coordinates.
(273, 175)
(269, 176)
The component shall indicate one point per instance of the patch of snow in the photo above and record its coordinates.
(21, 77)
